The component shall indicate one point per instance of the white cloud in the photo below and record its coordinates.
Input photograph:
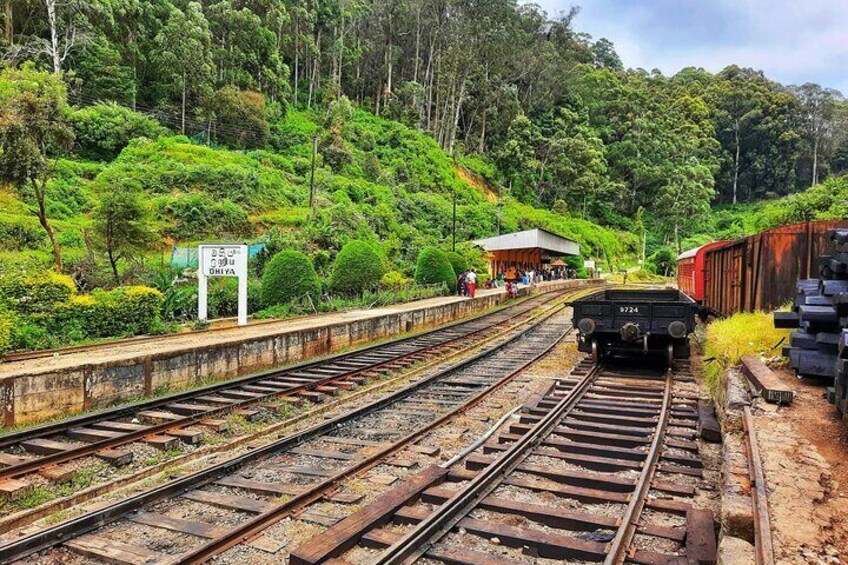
(792, 41)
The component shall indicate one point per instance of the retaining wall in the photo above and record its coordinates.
(42, 394)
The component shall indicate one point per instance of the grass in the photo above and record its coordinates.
(741, 334)
(165, 455)
(43, 494)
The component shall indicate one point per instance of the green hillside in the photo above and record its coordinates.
(376, 180)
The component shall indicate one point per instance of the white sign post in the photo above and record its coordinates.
(223, 260)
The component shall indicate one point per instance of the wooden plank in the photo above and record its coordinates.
(459, 556)
(258, 486)
(425, 450)
(549, 515)
(158, 417)
(157, 520)
(344, 497)
(46, 446)
(349, 531)
(115, 457)
(379, 539)
(57, 473)
(92, 435)
(318, 518)
(11, 489)
(10, 460)
(113, 551)
(548, 545)
(190, 408)
(161, 441)
(765, 381)
(229, 501)
(191, 437)
(216, 425)
(701, 544)
(325, 453)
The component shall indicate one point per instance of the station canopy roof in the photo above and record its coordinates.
(530, 239)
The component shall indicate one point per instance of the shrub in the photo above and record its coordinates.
(18, 233)
(433, 267)
(195, 214)
(103, 130)
(126, 310)
(36, 292)
(393, 280)
(8, 323)
(288, 275)
(457, 261)
(357, 267)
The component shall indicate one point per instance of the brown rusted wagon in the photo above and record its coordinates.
(760, 272)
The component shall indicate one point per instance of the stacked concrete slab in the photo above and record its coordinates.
(819, 345)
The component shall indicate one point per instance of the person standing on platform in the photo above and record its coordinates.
(460, 284)
(471, 282)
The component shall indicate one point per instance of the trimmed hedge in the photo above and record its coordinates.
(288, 276)
(358, 267)
(126, 310)
(433, 267)
(36, 292)
(458, 262)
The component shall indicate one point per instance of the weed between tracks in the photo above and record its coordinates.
(43, 494)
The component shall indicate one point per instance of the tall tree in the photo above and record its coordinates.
(33, 133)
(185, 57)
(818, 107)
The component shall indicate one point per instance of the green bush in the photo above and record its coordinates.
(433, 267)
(393, 280)
(458, 262)
(357, 267)
(44, 291)
(289, 275)
(126, 310)
(103, 130)
(8, 322)
(18, 233)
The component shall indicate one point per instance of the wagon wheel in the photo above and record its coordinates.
(669, 356)
(596, 356)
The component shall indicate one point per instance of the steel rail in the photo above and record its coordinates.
(419, 540)
(49, 537)
(130, 437)
(42, 430)
(624, 535)
(759, 495)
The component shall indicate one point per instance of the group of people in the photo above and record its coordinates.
(466, 283)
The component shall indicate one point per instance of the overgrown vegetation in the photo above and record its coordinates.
(730, 338)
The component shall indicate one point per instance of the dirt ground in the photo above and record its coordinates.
(804, 447)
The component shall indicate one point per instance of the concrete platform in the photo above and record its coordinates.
(41, 388)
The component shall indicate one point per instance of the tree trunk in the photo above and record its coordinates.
(182, 122)
(736, 160)
(9, 30)
(296, 58)
(54, 35)
(457, 110)
(481, 146)
(45, 223)
(815, 161)
(113, 261)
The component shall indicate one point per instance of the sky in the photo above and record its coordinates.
(792, 41)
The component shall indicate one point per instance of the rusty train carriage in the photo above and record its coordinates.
(760, 272)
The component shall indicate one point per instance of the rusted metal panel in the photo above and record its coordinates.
(760, 272)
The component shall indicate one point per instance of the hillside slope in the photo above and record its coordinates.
(375, 179)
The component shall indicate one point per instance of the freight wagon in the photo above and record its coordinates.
(614, 322)
(758, 272)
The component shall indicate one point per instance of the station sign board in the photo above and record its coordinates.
(222, 260)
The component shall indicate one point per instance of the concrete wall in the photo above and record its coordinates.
(38, 396)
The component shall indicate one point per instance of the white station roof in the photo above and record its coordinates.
(529, 239)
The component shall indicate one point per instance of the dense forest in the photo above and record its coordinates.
(128, 126)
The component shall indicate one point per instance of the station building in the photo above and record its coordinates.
(529, 250)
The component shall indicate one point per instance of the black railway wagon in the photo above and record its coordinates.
(759, 272)
(616, 321)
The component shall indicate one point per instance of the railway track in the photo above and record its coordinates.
(247, 493)
(184, 417)
(601, 469)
